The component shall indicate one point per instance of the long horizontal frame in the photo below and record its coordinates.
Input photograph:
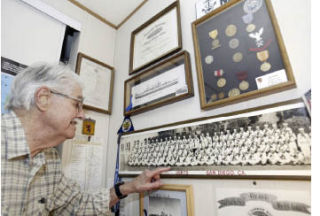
(155, 32)
(240, 95)
(187, 189)
(109, 83)
(293, 172)
(169, 65)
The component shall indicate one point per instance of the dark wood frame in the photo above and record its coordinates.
(236, 175)
(154, 71)
(246, 95)
(146, 24)
(78, 70)
(187, 189)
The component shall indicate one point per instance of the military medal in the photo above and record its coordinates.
(209, 59)
(237, 57)
(218, 73)
(234, 92)
(233, 43)
(252, 6)
(213, 97)
(231, 30)
(215, 43)
(266, 66)
(221, 82)
(263, 56)
(247, 18)
(250, 28)
(244, 85)
(221, 95)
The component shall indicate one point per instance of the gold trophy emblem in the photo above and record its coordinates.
(215, 43)
(263, 57)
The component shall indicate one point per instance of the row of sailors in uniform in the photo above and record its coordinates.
(265, 146)
(267, 135)
(203, 158)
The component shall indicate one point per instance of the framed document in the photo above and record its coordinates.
(167, 82)
(158, 38)
(272, 141)
(98, 79)
(240, 53)
(168, 200)
(266, 201)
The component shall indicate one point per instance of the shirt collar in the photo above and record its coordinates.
(15, 137)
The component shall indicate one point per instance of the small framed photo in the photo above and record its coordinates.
(240, 53)
(156, 39)
(167, 82)
(98, 79)
(168, 200)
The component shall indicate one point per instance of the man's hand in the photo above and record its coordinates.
(148, 180)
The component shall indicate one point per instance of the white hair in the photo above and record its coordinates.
(28, 81)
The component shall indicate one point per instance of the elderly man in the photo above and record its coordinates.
(45, 104)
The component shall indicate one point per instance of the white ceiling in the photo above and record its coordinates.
(114, 11)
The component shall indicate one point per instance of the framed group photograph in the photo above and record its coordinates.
(156, 39)
(98, 78)
(272, 141)
(166, 82)
(175, 200)
(240, 53)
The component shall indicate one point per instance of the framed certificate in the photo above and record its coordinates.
(240, 53)
(272, 141)
(166, 82)
(98, 79)
(158, 38)
(168, 200)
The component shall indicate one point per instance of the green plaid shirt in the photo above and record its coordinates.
(37, 186)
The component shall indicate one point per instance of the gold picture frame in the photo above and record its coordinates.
(98, 78)
(240, 54)
(173, 199)
(156, 39)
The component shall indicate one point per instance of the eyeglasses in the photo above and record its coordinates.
(78, 100)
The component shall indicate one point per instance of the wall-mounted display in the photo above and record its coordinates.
(168, 200)
(272, 141)
(98, 79)
(205, 6)
(240, 53)
(167, 82)
(157, 38)
(262, 201)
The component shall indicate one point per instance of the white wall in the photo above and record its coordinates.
(294, 19)
(31, 36)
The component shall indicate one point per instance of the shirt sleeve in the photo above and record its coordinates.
(68, 199)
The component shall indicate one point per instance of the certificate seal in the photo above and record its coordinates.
(231, 30)
(250, 28)
(209, 59)
(233, 92)
(266, 66)
(221, 82)
(244, 85)
(252, 6)
(237, 57)
(221, 95)
(233, 43)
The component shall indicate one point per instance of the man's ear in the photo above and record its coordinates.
(41, 97)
